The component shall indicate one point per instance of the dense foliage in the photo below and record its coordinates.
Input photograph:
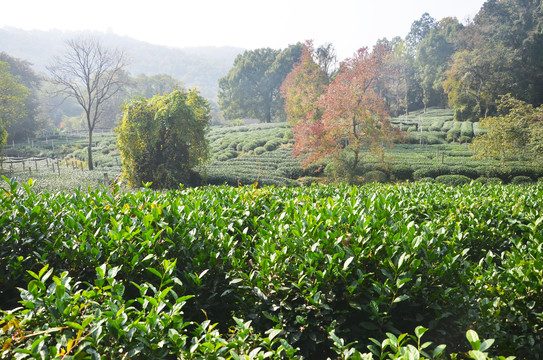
(27, 125)
(163, 138)
(162, 274)
(517, 129)
(251, 87)
(12, 99)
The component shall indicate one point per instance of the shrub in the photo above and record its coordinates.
(291, 171)
(486, 180)
(434, 140)
(447, 126)
(468, 171)
(453, 180)
(455, 132)
(233, 145)
(478, 129)
(226, 155)
(338, 171)
(288, 135)
(527, 171)
(431, 171)
(162, 139)
(375, 176)
(313, 169)
(259, 150)
(521, 180)
(402, 172)
(251, 145)
(437, 125)
(467, 129)
(427, 180)
(308, 180)
(271, 145)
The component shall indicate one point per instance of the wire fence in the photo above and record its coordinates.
(51, 139)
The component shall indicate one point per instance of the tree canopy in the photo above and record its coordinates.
(305, 84)
(29, 124)
(251, 89)
(12, 100)
(354, 115)
(162, 139)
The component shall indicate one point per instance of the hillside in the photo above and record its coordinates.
(195, 66)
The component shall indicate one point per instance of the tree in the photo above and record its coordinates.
(476, 79)
(252, 86)
(12, 98)
(29, 124)
(149, 86)
(354, 115)
(419, 30)
(398, 82)
(325, 56)
(92, 74)
(434, 56)
(304, 86)
(517, 130)
(162, 139)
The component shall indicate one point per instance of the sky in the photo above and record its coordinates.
(250, 24)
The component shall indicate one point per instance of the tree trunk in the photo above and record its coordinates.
(356, 159)
(91, 164)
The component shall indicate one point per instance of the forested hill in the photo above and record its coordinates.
(196, 67)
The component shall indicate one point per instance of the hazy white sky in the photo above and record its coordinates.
(348, 24)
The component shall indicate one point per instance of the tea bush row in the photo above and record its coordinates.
(318, 271)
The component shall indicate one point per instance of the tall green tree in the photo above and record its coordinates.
(252, 86)
(433, 57)
(419, 30)
(476, 79)
(399, 85)
(516, 25)
(12, 100)
(162, 139)
(29, 124)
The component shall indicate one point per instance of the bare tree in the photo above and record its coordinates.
(92, 74)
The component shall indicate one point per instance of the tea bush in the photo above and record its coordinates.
(402, 172)
(431, 171)
(319, 271)
(453, 180)
(375, 176)
(521, 180)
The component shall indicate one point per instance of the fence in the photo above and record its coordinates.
(48, 138)
(36, 164)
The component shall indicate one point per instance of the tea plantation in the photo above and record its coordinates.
(262, 153)
(339, 272)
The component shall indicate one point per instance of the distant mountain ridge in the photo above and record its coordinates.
(199, 67)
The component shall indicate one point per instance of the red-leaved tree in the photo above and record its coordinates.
(303, 87)
(354, 115)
